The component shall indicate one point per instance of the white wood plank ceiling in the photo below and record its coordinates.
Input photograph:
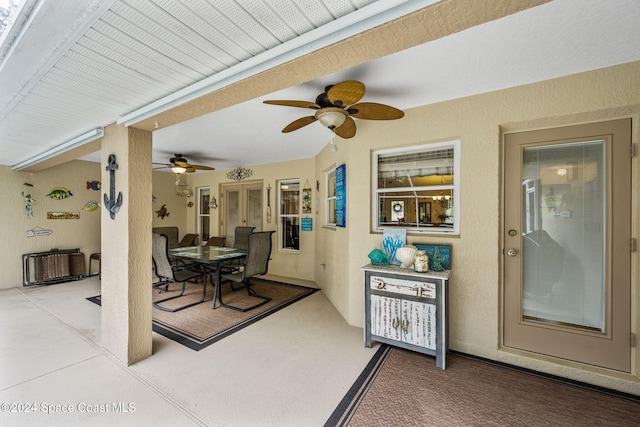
(65, 71)
(88, 63)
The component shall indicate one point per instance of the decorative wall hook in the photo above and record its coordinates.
(269, 203)
(112, 204)
(306, 198)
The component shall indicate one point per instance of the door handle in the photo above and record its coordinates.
(512, 252)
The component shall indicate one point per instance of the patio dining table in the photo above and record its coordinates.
(212, 256)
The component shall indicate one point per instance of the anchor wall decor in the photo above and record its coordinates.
(112, 204)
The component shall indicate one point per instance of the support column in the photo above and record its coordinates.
(126, 245)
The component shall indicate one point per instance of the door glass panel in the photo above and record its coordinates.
(254, 208)
(232, 210)
(563, 223)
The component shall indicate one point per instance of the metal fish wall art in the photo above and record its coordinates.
(94, 185)
(59, 193)
(91, 206)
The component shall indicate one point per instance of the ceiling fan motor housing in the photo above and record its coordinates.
(178, 158)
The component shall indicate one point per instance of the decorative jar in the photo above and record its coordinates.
(421, 264)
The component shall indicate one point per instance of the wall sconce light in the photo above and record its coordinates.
(213, 203)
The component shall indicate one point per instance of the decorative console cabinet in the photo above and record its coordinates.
(407, 309)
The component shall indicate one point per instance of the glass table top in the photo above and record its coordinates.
(207, 253)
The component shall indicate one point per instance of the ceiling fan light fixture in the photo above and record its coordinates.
(178, 169)
(331, 117)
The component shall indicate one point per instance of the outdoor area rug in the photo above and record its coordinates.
(404, 388)
(199, 326)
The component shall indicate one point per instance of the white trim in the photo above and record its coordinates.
(375, 214)
(92, 135)
(280, 215)
(200, 215)
(327, 198)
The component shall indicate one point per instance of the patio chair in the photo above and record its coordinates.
(241, 241)
(256, 263)
(242, 237)
(216, 241)
(188, 240)
(172, 272)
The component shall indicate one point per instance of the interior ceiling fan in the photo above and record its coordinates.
(180, 165)
(336, 106)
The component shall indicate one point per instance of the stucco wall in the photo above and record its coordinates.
(164, 191)
(83, 233)
(334, 257)
(126, 246)
(479, 122)
(332, 243)
(299, 265)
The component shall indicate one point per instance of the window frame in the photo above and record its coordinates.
(454, 188)
(199, 211)
(281, 216)
(330, 198)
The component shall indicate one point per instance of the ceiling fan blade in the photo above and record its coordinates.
(202, 167)
(347, 130)
(374, 111)
(346, 93)
(300, 104)
(180, 161)
(297, 124)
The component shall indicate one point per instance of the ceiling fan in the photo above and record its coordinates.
(179, 165)
(336, 106)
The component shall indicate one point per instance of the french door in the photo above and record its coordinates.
(567, 243)
(241, 206)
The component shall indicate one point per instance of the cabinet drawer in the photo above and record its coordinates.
(414, 288)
